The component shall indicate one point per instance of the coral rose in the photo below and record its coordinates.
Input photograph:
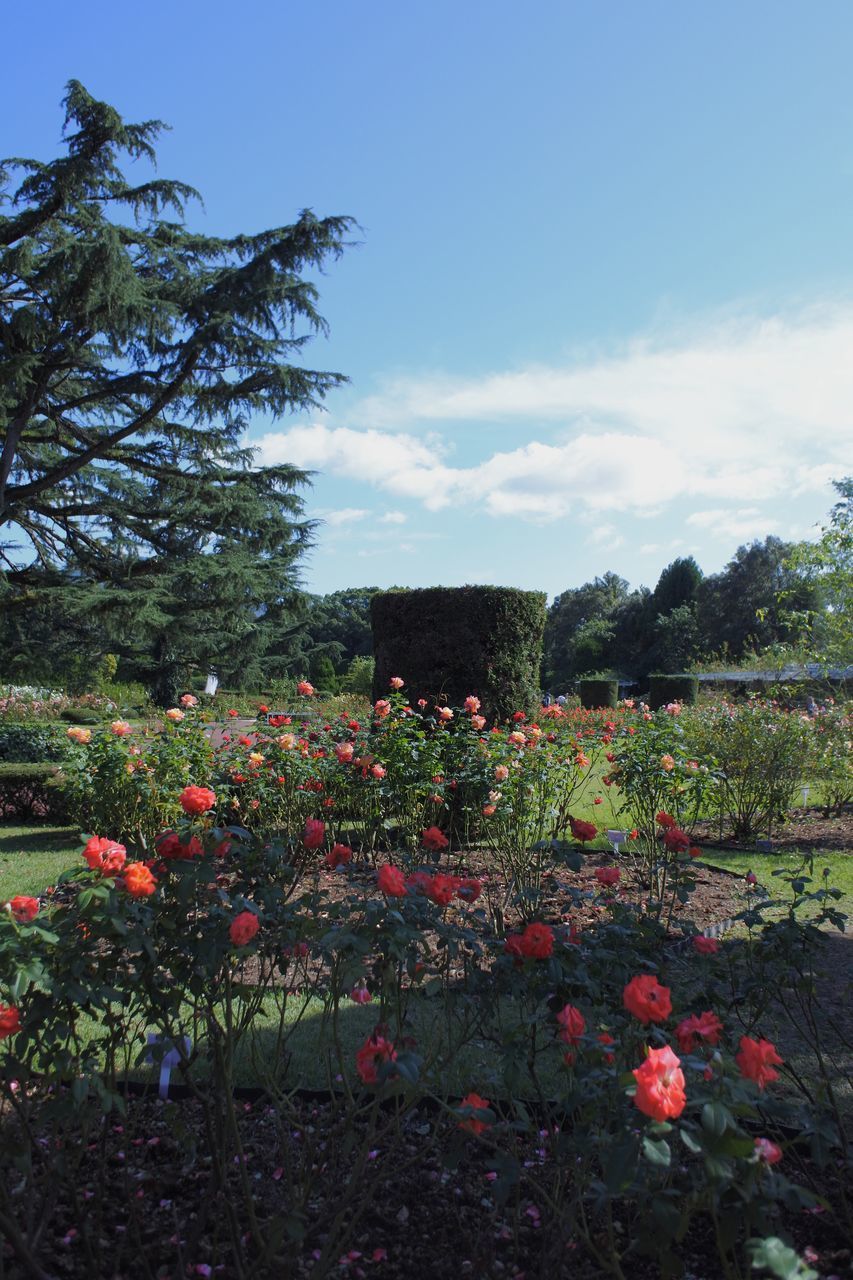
(243, 928)
(382, 708)
(646, 999)
(194, 800)
(767, 1151)
(501, 773)
(391, 882)
(79, 735)
(106, 856)
(175, 714)
(440, 890)
(305, 689)
(756, 1060)
(23, 908)
(120, 728)
(138, 880)
(10, 1020)
(660, 1085)
(188, 700)
(396, 682)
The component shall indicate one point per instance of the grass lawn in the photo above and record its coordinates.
(839, 866)
(32, 857)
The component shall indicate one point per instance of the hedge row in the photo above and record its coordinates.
(449, 642)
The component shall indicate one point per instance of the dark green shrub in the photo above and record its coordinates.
(31, 742)
(666, 689)
(80, 715)
(448, 642)
(30, 790)
(599, 692)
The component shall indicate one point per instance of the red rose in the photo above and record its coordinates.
(243, 928)
(10, 1020)
(391, 882)
(314, 833)
(660, 1085)
(703, 1026)
(469, 890)
(169, 845)
(441, 889)
(572, 1025)
(474, 1123)
(646, 999)
(583, 831)
(664, 820)
(675, 840)
(195, 800)
(537, 941)
(756, 1060)
(434, 840)
(705, 946)
(606, 1040)
(339, 855)
(607, 876)
(767, 1151)
(372, 1055)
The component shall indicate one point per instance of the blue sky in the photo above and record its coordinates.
(601, 311)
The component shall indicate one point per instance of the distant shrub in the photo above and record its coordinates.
(80, 715)
(449, 642)
(598, 692)
(666, 689)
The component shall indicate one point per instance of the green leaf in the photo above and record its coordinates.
(657, 1152)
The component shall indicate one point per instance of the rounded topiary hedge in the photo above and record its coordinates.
(598, 693)
(666, 689)
(448, 642)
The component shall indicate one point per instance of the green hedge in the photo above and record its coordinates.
(448, 642)
(32, 741)
(80, 715)
(666, 689)
(598, 692)
(30, 790)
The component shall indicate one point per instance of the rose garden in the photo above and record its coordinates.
(413, 976)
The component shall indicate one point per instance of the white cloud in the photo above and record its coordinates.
(735, 524)
(747, 412)
(393, 517)
(346, 515)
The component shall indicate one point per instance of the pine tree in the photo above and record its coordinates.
(132, 355)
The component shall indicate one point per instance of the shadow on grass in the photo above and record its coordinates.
(29, 839)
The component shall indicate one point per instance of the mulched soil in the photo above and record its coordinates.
(150, 1193)
(804, 829)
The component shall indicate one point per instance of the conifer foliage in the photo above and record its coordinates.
(133, 351)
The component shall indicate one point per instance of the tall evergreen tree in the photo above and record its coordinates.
(132, 354)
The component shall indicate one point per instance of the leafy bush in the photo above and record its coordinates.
(830, 759)
(762, 754)
(29, 742)
(450, 642)
(664, 690)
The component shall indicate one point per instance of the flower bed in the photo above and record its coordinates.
(490, 995)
